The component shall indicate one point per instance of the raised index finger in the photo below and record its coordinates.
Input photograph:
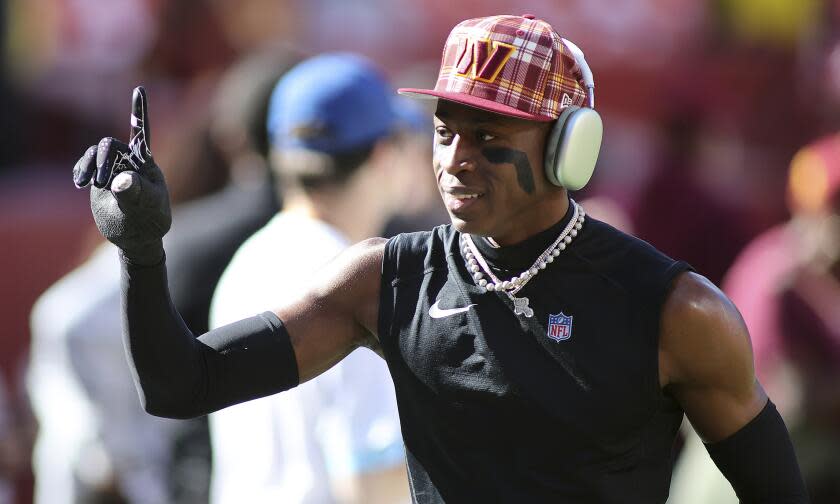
(140, 141)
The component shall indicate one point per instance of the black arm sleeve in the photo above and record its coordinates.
(180, 376)
(759, 461)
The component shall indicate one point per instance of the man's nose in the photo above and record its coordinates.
(458, 156)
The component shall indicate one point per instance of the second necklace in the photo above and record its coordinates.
(479, 268)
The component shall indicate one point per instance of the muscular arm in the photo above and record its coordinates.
(706, 363)
(181, 376)
(339, 313)
(706, 359)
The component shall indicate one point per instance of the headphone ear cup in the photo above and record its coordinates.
(572, 147)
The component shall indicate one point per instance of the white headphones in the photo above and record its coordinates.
(575, 140)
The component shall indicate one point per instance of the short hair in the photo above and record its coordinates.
(312, 170)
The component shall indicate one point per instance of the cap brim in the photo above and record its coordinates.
(473, 101)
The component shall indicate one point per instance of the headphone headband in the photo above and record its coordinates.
(586, 74)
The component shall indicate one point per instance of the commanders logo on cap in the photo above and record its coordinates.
(482, 60)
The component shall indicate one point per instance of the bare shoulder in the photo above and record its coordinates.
(706, 357)
(339, 311)
(701, 332)
(349, 284)
(354, 267)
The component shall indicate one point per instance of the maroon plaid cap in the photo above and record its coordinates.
(512, 65)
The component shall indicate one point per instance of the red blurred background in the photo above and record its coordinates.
(704, 103)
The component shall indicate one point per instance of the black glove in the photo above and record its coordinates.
(129, 199)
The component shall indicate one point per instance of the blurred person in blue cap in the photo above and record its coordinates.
(334, 137)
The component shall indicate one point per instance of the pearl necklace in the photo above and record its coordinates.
(478, 267)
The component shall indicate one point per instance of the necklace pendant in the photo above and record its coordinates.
(520, 306)
(478, 267)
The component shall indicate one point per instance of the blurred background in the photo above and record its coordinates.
(720, 148)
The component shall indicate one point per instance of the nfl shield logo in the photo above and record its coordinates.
(559, 327)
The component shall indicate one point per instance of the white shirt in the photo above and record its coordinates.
(287, 447)
(76, 340)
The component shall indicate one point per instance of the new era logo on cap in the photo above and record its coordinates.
(511, 65)
(567, 100)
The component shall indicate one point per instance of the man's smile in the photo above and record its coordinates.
(459, 199)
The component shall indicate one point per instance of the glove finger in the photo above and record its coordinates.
(126, 187)
(111, 158)
(141, 136)
(85, 167)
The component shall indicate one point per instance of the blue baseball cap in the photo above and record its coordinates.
(411, 116)
(331, 103)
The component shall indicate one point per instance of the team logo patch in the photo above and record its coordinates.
(559, 327)
(482, 59)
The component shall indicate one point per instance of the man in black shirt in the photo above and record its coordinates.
(538, 355)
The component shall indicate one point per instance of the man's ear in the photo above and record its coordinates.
(385, 149)
(390, 174)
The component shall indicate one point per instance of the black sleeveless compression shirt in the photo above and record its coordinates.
(561, 407)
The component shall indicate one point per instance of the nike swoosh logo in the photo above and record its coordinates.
(437, 312)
